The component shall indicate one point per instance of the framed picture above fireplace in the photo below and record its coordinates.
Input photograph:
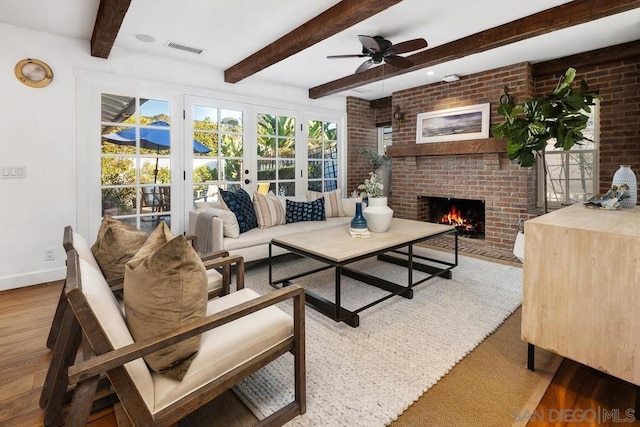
(454, 124)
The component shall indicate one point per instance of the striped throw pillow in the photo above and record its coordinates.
(269, 211)
(332, 201)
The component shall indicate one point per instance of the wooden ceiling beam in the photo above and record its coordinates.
(108, 22)
(332, 21)
(619, 52)
(567, 15)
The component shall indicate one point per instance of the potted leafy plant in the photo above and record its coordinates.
(559, 115)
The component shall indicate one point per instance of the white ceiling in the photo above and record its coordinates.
(230, 31)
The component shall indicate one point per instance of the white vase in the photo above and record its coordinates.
(625, 175)
(378, 214)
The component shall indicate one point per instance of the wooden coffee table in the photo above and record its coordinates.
(335, 248)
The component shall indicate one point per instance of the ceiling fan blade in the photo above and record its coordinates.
(369, 43)
(408, 46)
(364, 66)
(398, 61)
(348, 56)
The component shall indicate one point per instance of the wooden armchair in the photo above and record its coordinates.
(241, 333)
(65, 335)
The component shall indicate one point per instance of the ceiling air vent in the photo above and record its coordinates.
(184, 47)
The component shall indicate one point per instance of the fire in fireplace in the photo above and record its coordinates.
(468, 216)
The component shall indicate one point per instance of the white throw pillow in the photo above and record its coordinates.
(216, 205)
(332, 202)
(230, 226)
(269, 211)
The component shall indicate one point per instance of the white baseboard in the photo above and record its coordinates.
(33, 278)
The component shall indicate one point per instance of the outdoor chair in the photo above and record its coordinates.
(241, 333)
(263, 187)
(64, 338)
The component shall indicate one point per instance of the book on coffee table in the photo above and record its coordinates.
(354, 232)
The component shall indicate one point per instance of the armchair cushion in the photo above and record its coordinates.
(116, 244)
(227, 347)
(165, 286)
(239, 202)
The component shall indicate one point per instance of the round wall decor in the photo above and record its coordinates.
(33, 73)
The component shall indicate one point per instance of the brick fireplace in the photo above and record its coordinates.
(492, 178)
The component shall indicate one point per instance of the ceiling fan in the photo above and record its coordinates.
(378, 49)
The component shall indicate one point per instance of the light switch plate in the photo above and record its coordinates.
(13, 172)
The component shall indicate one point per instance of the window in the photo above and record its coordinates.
(276, 152)
(136, 160)
(385, 134)
(572, 175)
(322, 155)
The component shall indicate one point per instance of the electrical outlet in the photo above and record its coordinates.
(49, 254)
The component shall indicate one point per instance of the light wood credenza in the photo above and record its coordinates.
(581, 290)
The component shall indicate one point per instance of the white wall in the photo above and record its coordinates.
(38, 130)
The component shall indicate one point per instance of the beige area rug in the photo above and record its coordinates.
(367, 376)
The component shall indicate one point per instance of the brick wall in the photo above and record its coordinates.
(619, 86)
(361, 132)
(508, 190)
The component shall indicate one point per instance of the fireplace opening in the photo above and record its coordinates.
(468, 216)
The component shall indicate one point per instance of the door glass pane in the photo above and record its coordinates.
(266, 147)
(287, 147)
(153, 111)
(315, 169)
(119, 201)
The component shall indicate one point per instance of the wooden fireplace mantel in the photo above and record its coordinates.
(447, 148)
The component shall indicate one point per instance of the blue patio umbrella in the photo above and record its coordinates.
(152, 139)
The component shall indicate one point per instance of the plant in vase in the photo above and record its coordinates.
(372, 187)
(377, 213)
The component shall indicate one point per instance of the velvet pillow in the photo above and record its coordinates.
(269, 211)
(239, 202)
(332, 201)
(165, 287)
(305, 211)
(116, 244)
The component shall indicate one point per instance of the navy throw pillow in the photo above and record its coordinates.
(239, 202)
(305, 211)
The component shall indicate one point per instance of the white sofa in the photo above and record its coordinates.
(254, 244)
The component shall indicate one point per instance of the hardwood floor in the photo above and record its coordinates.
(25, 318)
